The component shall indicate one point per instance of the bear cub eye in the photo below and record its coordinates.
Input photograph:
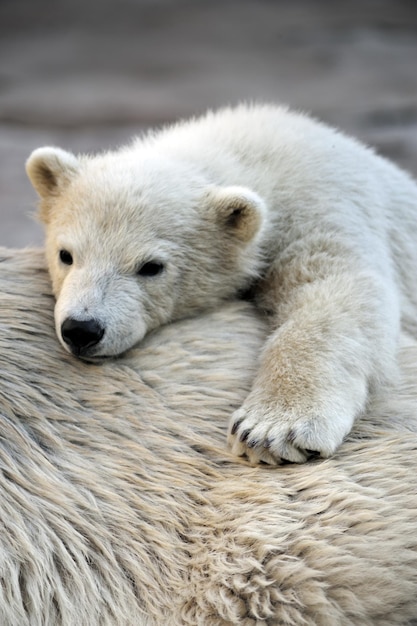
(65, 257)
(151, 268)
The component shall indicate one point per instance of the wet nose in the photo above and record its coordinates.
(81, 334)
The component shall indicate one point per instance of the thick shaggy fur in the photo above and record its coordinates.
(121, 506)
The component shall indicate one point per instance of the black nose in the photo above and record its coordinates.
(81, 334)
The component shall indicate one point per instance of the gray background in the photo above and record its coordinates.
(87, 74)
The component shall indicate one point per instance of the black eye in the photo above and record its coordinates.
(151, 268)
(65, 257)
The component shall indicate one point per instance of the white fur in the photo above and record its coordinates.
(120, 505)
(323, 230)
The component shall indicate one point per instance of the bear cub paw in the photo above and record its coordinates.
(264, 432)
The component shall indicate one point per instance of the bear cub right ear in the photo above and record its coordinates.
(239, 210)
(50, 170)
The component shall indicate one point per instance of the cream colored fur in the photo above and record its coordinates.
(121, 506)
(321, 229)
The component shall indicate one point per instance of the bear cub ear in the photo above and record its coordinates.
(50, 170)
(239, 210)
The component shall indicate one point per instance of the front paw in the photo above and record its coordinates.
(264, 432)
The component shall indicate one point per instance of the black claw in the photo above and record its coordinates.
(236, 426)
(291, 436)
(253, 443)
(244, 435)
(267, 444)
(312, 454)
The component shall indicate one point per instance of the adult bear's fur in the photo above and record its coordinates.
(121, 506)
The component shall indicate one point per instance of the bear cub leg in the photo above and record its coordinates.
(334, 336)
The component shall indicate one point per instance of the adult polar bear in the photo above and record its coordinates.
(322, 231)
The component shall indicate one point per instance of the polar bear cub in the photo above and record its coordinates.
(320, 230)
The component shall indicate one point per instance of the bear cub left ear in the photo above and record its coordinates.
(239, 210)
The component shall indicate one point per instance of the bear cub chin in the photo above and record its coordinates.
(321, 229)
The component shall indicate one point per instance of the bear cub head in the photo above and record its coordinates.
(136, 240)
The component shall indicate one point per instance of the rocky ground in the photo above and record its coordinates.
(87, 74)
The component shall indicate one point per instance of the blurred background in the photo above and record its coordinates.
(88, 74)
